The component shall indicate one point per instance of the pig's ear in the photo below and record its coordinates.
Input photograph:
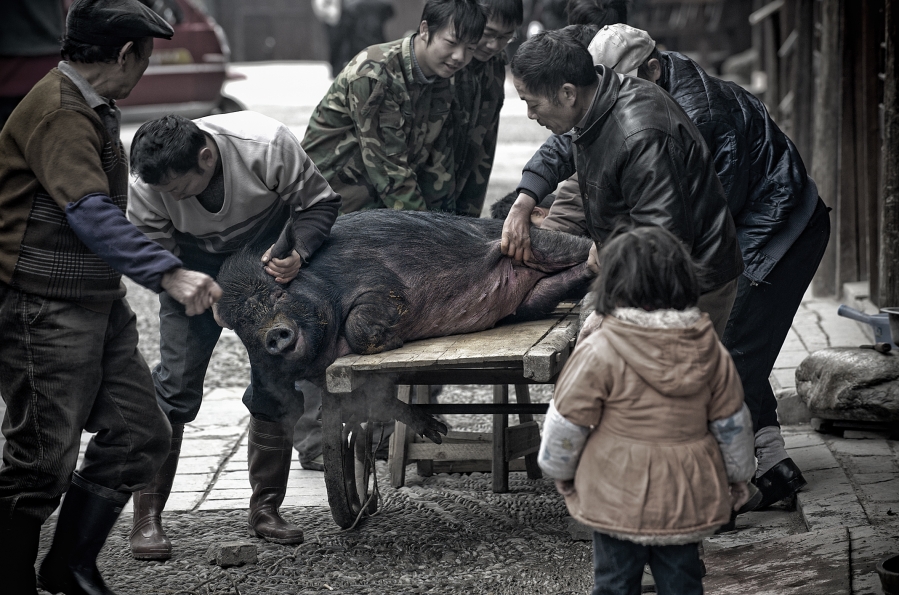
(218, 319)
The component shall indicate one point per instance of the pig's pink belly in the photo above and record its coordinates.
(436, 311)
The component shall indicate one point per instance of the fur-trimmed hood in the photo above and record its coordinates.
(674, 351)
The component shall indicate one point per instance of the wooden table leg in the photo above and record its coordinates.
(523, 395)
(396, 460)
(500, 423)
(422, 396)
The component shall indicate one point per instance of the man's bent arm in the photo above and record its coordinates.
(105, 230)
(552, 163)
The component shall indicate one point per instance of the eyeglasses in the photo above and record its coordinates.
(500, 39)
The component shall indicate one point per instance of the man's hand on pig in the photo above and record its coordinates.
(194, 290)
(516, 240)
(284, 270)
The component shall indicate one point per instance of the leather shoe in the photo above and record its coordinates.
(780, 481)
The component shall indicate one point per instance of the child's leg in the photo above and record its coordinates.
(617, 565)
(676, 569)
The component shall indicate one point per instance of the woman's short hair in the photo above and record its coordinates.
(166, 146)
(645, 267)
(550, 59)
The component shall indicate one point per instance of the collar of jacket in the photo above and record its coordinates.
(605, 98)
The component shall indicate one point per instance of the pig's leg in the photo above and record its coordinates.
(549, 291)
(556, 251)
(420, 422)
(371, 324)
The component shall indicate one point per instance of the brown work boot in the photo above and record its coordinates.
(268, 457)
(148, 540)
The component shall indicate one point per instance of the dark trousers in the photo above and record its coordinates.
(618, 567)
(64, 369)
(763, 313)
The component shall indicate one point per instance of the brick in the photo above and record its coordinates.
(231, 553)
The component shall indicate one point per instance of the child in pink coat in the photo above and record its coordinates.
(647, 436)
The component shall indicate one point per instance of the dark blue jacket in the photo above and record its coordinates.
(768, 190)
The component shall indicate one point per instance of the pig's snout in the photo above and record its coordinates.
(280, 338)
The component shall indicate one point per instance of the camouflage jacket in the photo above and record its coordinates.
(381, 138)
(479, 98)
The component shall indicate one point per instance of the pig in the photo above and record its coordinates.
(387, 277)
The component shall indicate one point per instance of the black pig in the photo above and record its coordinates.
(386, 277)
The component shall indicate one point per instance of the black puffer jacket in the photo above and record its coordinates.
(768, 190)
(640, 159)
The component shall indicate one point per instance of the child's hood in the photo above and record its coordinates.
(673, 351)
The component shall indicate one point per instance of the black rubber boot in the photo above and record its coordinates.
(268, 459)
(148, 539)
(85, 521)
(19, 538)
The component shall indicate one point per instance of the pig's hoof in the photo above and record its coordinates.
(434, 430)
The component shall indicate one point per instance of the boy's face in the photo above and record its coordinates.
(496, 37)
(443, 54)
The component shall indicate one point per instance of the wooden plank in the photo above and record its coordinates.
(521, 440)
(545, 360)
(826, 162)
(420, 451)
(523, 397)
(399, 443)
(889, 235)
(500, 423)
(485, 466)
(804, 81)
(847, 238)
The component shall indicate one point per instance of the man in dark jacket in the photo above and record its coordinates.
(639, 158)
(782, 225)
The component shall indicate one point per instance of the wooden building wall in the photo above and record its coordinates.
(825, 61)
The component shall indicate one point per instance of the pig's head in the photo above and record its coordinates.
(278, 324)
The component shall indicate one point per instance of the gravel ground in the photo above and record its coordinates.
(441, 534)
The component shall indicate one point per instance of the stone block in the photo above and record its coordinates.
(791, 410)
(850, 384)
(231, 553)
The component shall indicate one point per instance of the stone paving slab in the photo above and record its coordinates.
(816, 563)
(868, 546)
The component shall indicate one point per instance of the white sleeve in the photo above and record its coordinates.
(737, 443)
(561, 445)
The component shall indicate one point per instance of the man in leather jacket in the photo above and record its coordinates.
(782, 225)
(639, 158)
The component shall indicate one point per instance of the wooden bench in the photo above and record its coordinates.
(516, 354)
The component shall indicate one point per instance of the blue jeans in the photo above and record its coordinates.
(64, 368)
(618, 567)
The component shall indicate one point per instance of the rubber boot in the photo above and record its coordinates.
(85, 520)
(19, 539)
(268, 457)
(148, 539)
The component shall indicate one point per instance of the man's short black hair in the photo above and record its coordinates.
(500, 209)
(467, 17)
(84, 53)
(167, 146)
(645, 267)
(583, 33)
(597, 12)
(507, 12)
(550, 59)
